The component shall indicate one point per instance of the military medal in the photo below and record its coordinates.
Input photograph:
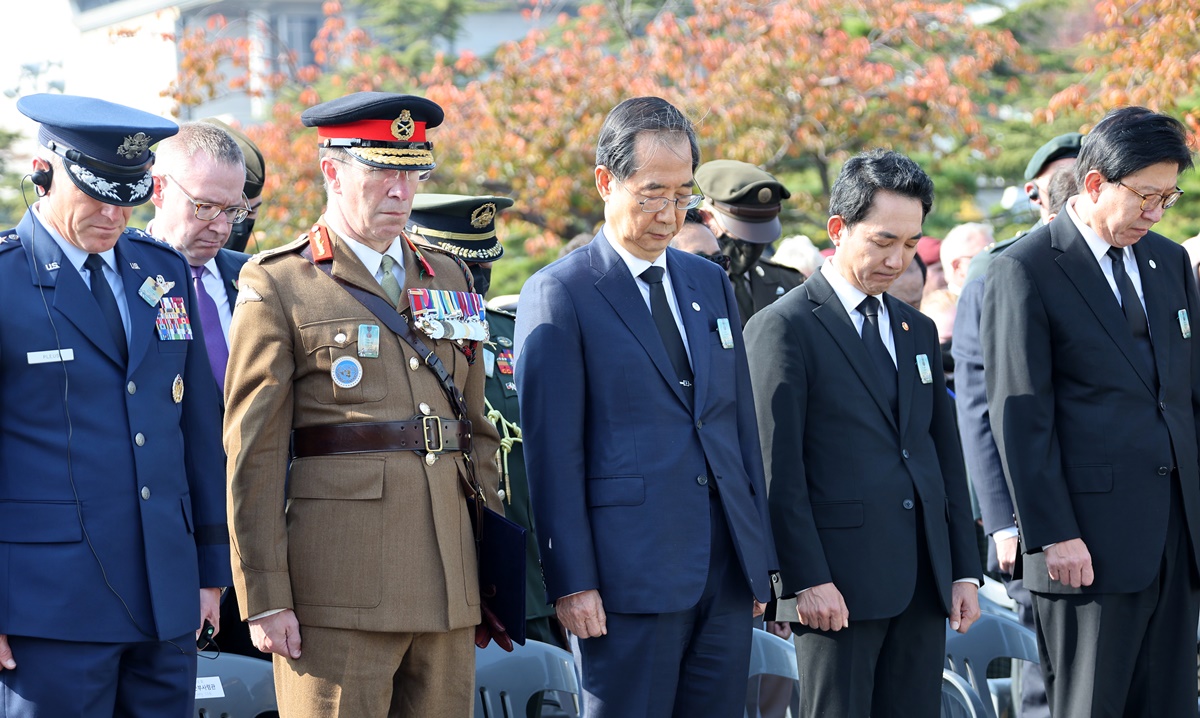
(1185, 327)
(150, 291)
(368, 341)
(504, 361)
(177, 389)
(443, 314)
(173, 323)
(923, 369)
(724, 332)
(347, 372)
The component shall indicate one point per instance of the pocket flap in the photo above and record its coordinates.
(616, 491)
(324, 334)
(39, 522)
(1089, 479)
(337, 477)
(838, 514)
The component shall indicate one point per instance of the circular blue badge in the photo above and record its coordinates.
(347, 372)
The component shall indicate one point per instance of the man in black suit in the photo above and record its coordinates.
(1094, 389)
(867, 492)
(198, 198)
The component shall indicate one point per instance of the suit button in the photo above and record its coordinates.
(1162, 405)
(908, 504)
(139, 439)
(131, 388)
(1163, 471)
(699, 424)
(145, 493)
(702, 480)
(904, 453)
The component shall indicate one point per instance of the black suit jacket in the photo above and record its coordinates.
(1089, 442)
(844, 477)
(229, 264)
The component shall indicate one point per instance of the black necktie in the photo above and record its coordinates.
(1135, 316)
(103, 293)
(884, 365)
(667, 329)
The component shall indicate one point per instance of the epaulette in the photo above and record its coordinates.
(9, 240)
(502, 312)
(292, 247)
(140, 235)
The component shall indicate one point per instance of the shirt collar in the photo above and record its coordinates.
(74, 255)
(1094, 242)
(637, 265)
(849, 295)
(372, 259)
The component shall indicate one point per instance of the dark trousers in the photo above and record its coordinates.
(683, 664)
(54, 679)
(885, 668)
(1125, 655)
(1033, 688)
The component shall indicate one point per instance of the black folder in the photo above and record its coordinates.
(500, 545)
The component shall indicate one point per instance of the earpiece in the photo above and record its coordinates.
(41, 179)
(1033, 194)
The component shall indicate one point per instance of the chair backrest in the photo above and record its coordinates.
(504, 682)
(770, 655)
(232, 685)
(959, 699)
(992, 636)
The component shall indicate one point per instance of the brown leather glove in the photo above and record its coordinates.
(491, 629)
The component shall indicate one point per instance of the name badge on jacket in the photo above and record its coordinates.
(923, 369)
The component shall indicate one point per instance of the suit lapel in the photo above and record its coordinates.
(141, 314)
(348, 268)
(687, 294)
(833, 316)
(620, 289)
(1082, 269)
(906, 359)
(228, 274)
(1158, 309)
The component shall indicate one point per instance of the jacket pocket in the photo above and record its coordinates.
(616, 491)
(322, 348)
(838, 514)
(39, 522)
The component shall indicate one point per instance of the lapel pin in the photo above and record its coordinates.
(1152, 264)
(695, 306)
(904, 326)
(51, 266)
(134, 265)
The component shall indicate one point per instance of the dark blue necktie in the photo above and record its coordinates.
(880, 358)
(664, 320)
(1131, 306)
(103, 293)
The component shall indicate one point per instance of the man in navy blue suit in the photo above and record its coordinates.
(641, 443)
(113, 542)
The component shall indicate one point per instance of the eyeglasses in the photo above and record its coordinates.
(207, 211)
(379, 173)
(654, 205)
(721, 260)
(1151, 202)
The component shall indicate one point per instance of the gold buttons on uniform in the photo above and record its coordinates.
(430, 458)
(424, 408)
(413, 363)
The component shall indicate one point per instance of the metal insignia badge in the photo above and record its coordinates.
(347, 372)
(134, 145)
(764, 195)
(483, 216)
(177, 389)
(403, 126)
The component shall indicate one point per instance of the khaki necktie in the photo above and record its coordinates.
(391, 287)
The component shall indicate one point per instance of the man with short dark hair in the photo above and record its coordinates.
(1093, 385)
(641, 444)
(867, 493)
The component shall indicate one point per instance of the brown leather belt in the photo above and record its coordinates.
(430, 434)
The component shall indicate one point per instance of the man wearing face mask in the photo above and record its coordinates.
(465, 226)
(741, 207)
(256, 175)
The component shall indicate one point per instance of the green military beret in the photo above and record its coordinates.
(1062, 146)
(460, 224)
(748, 199)
(256, 167)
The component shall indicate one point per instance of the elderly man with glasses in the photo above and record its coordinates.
(355, 429)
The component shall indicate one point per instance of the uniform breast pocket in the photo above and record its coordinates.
(333, 344)
(173, 346)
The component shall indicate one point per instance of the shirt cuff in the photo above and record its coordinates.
(264, 614)
(973, 581)
(1006, 533)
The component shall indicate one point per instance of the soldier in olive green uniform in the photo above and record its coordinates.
(465, 226)
(741, 207)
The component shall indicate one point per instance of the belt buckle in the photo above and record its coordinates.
(432, 429)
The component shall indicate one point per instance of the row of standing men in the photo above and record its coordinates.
(653, 502)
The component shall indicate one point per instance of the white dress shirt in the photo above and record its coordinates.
(636, 266)
(851, 296)
(1100, 251)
